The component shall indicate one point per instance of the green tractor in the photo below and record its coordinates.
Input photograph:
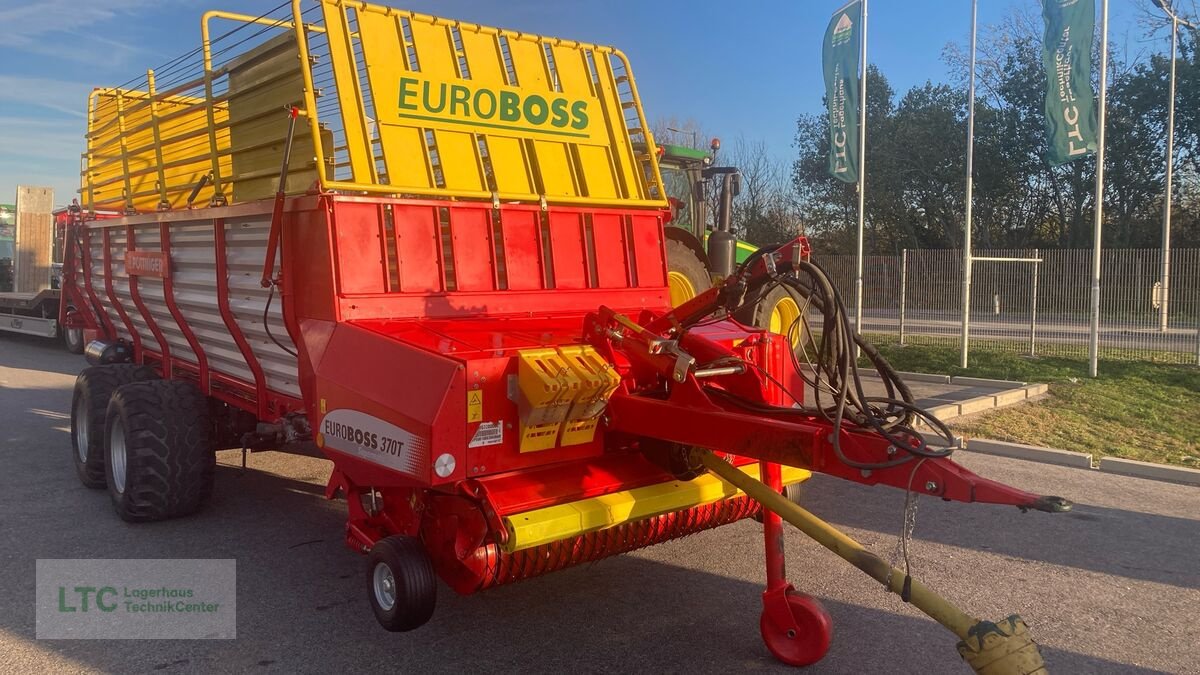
(697, 253)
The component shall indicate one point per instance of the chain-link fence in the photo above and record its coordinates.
(1031, 301)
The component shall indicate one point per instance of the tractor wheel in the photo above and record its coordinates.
(73, 338)
(89, 404)
(400, 583)
(776, 312)
(158, 450)
(804, 640)
(687, 276)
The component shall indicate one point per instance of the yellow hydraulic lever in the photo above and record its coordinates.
(1001, 648)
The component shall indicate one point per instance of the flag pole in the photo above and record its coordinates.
(1094, 337)
(862, 181)
(967, 262)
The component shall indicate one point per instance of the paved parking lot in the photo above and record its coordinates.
(1112, 587)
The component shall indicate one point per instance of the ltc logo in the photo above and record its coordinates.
(842, 31)
(86, 598)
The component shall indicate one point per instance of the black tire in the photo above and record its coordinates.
(73, 340)
(758, 315)
(684, 261)
(413, 587)
(161, 430)
(89, 405)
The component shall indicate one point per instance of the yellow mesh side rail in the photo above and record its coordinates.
(441, 108)
(209, 129)
(392, 102)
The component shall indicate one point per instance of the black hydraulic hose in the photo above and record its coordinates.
(834, 366)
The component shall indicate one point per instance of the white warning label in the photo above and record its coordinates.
(488, 433)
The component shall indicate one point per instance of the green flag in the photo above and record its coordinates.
(1067, 58)
(839, 60)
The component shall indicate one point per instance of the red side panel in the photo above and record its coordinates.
(608, 237)
(567, 249)
(522, 249)
(471, 236)
(648, 256)
(357, 240)
(418, 239)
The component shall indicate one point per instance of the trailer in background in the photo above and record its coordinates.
(31, 233)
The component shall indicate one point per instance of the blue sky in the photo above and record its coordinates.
(738, 68)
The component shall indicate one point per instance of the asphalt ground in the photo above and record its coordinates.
(1113, 586)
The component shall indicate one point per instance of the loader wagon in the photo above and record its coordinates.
(433, 252)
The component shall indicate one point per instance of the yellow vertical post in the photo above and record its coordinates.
(88, 156)
(310, 100)
(218, 197)
(124, 151)
(163, 202)
(655, 174)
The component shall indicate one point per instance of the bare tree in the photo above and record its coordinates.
(686, 132)
(765, 210)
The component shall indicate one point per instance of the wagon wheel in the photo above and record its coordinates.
(804, 639)
(400, 583)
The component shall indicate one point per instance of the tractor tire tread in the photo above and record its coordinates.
(98, 383)
(170, 462)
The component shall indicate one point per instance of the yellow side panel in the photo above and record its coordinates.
(597, 169)
(627, 173)
(435, 53)
(460, 165)
(183, 132)
(572, 68)
(555, 523)
(528, 62)
(403, 147)
(350, 101)
(483, 56)
(548, 129)
(259, 88)
(555, 168)
(508, 165)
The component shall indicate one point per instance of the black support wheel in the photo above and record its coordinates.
(158, 450)
(687, 276)
(400, 583)
(73, 339)
(89, 405)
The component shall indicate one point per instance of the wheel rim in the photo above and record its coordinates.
(783, 315)
(806, 640)
(80, 416)
(74, 337)
(385, 586)
(682, 289)
(116, 444)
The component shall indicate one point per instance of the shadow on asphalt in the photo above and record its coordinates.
(302, 598)
(1111, 541)
(302, 605)
(24, 351)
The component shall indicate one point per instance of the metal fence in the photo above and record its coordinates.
(1038, 307)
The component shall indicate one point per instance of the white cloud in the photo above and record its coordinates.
(26, 138)
(40, 151)
(60, 95)
(40, 19)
